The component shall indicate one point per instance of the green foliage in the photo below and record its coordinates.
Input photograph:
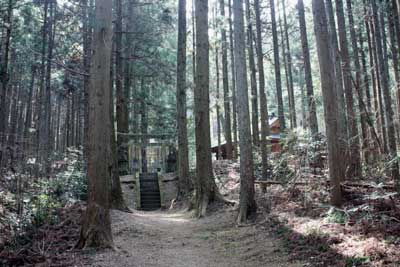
(291, 140)
(336, 216)
(42, 207)
(41, 197)
(281, 170)
(356, 261)
(71, 185)
(314, 233)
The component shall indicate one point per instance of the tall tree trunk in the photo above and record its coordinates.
(288, 58)
(383, 26)
(21, 119)
(303, 102)
(87, 54)
(193, 42)
(219, 154)
(183, 146)
(394, 31)
(370, 51)
(72, 122)
(52, 34)
(143, 125)
(41, 131)
(205, 188)
(253, 80)
(4, 78)
(96, 228)
(225, 84)
(354, 168)
(312, 113)
(396, 19)
(217, 96)
(116, 195)
(28, 114)
(285, 67)
(233, 75)
(278, 82)
(329, 94)
(78, 124)
(58, 137)
(16, 95)
(68, 120)
(389, 122)
(263, 97)
(373, 70)
(247, 205)
(398, 7)
(343, 134)
(357, 83)
(135, 105)
(367, 104)
(122, 108)
(364, 70)
(378, 93)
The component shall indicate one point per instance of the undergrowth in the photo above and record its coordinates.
(28, 202)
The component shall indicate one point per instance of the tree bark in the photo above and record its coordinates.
(367, 103)
(4, 77)
(143, 124)
(116, 195)
(28, 114)
(288, 60)
(329, 93)
(389, 122)
(183, 146)
(343, 134)
(41, 137)
(247, 205)
(253, 80)
(68, 121)
(87, 53)
(205, 188)
(374, 72)
(393, 22)
(15, 98)
(96, 228)
(225, 85)
(278, 82)
(354, 168)
(233, 75)
(122, 108)
(263, 98)
(193, 42)
(398, 7)
(379, 100)
(217, 100)
(52, 33)
(58, 123)
(312, 113)
(357, 83)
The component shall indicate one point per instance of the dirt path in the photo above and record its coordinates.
(174, 239)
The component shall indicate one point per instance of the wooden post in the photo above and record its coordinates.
(138, 204)
(163, 169)
(161, 188)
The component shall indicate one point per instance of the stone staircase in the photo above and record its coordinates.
(149, 192)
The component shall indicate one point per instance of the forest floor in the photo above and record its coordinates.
(175, 238)
(165, 238)
(295, 226)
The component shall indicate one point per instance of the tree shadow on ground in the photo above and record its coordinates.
(315, 248)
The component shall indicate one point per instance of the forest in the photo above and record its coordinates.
(202, 133)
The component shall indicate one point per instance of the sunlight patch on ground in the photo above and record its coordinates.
(168, 217)
(350, 245)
